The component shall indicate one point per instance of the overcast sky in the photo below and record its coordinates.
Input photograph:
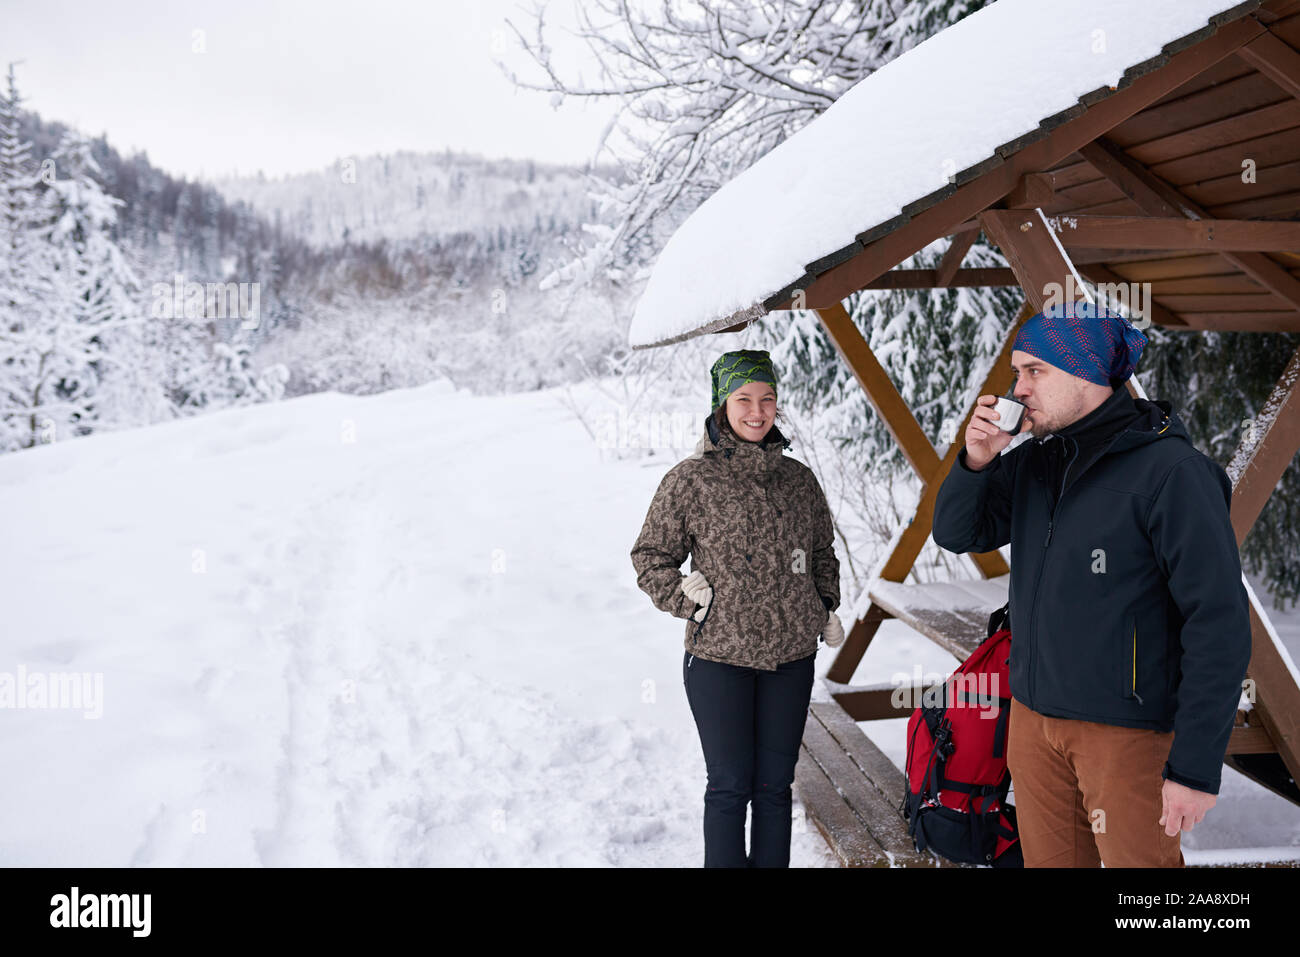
(291, 86)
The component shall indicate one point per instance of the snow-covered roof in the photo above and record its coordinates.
(904, 133)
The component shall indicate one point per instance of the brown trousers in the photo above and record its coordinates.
(1087, 792)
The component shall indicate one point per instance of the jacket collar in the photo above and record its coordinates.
(1117, 425)
(759, 457)
(1114, 414)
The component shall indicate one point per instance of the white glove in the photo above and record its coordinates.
(697, 589)
(833, 633)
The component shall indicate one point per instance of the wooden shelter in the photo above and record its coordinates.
(1184, 175)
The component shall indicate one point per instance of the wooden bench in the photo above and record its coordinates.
(851, 792)
(954, 615)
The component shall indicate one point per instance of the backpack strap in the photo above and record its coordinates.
(1000, 731)
(998, 620)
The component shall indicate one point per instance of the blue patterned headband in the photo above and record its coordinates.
(1092, 344)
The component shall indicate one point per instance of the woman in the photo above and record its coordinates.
(764, 584)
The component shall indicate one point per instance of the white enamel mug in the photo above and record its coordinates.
(1010, 413)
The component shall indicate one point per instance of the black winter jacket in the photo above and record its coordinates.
(1127, 604)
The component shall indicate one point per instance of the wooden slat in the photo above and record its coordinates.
(1242, 125)
(885, 777)
(1175, 266)
(878, 815)
(1277, 206)
(1219, 74)
(1098, 273)
(852, 791)
(1110, 257)
(1157, 197)
(954, 615)
(1275, 10)
(1248, 90)
(875, 703)
(1281, 177)
(834, 820)
(1087, 195)
(1222, 284)
(1250, 741)
(1244, 321)
(1234, 302)
(823, 804)
(1176, 232)
(1117, 206)
(1072, 172)
(1268, 150)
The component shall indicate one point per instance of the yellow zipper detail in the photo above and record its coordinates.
(1135, 665)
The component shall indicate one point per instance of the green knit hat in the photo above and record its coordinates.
(734, 369)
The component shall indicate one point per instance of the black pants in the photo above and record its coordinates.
(751, 723)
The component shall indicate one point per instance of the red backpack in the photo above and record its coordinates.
(957, 773)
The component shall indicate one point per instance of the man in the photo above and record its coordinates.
(1130, 624)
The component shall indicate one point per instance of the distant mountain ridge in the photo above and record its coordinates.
(408, 195)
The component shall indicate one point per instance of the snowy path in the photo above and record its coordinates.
(421, 647)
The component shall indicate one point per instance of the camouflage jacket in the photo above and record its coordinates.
(758, 527)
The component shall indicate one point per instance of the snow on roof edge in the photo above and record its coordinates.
(971, 172)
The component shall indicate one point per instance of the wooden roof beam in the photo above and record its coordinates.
(1276, 59)
(1034, 189)
(1174, 233)
(948, 265)
(1026, 242)
(1157, 197)
(943, 218)
(930, 278)
(1276, 10)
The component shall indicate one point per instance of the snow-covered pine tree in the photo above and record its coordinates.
(21, 249)
(93, 286)
(68, 286)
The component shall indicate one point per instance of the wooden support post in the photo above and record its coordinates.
(1256, 468)
(880, 391)
(888, 403)
(1025, 241)
(1266, 450)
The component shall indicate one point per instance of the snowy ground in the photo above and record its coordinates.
(422, 646)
